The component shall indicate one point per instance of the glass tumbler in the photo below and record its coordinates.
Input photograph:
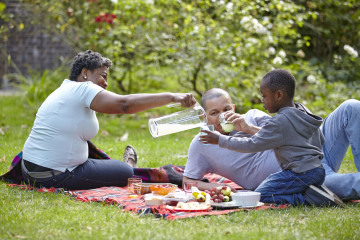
(134, 186)
(187, 187)
(206, 127)
(225, 125)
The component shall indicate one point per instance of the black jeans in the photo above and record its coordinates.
(93, 173)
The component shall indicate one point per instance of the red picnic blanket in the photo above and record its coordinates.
(120, 196)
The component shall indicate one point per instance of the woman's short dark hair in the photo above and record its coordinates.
(280, 79)
(89, 60)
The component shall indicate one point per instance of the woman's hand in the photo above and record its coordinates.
(210, 137)
(186, 99)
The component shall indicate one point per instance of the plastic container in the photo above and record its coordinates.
(153, 199)
(246, 198)
(145, 188)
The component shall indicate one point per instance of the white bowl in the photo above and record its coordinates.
(246, 198)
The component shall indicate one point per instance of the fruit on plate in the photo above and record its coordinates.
(220, 194)
(199, 196)
(226, 191)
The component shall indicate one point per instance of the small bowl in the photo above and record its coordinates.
(163, 189)
(246, 198)
(145, 188)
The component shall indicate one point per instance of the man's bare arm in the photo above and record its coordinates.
(203, 185)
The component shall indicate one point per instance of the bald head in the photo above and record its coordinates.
(212, 94)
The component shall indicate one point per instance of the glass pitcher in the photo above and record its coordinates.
(178, 121)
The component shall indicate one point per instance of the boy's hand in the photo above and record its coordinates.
(210, 137)
(238, 120)
(240, 124)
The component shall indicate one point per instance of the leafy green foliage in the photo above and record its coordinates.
(196, 45)
(8, 25)
(332, 25)
(38, 85)
(204, 44)
(193, 46)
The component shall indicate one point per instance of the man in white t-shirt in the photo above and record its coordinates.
(245, 169)
(340, 128)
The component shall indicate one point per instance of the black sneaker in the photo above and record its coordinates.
(130, 156)
(320, 198)
(337, 200)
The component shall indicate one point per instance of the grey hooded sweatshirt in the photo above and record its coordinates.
(294, 135)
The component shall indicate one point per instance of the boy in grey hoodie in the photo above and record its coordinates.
(294, 135)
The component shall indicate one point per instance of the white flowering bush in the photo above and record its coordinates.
(252, 24)
(277, 61)
(351, 51)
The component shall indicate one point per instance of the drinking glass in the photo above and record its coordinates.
(134, 186)
(225, 125)
(206, 127)
(187, 187)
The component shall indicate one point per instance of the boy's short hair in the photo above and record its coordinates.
(213, 93)
(280, 79)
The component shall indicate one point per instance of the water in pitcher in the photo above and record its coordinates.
(178, 121)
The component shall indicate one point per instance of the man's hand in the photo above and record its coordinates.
(206, 185)
(186, 99)
(210, 137)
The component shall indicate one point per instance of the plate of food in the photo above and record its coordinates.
(190, 207)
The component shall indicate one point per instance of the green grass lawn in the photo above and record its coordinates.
(33, 215)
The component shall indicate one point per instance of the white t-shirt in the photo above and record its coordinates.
(63, 124)
(246, 169)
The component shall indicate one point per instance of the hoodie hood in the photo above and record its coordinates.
(303, 121)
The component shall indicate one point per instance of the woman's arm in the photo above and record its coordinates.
(111, 103)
